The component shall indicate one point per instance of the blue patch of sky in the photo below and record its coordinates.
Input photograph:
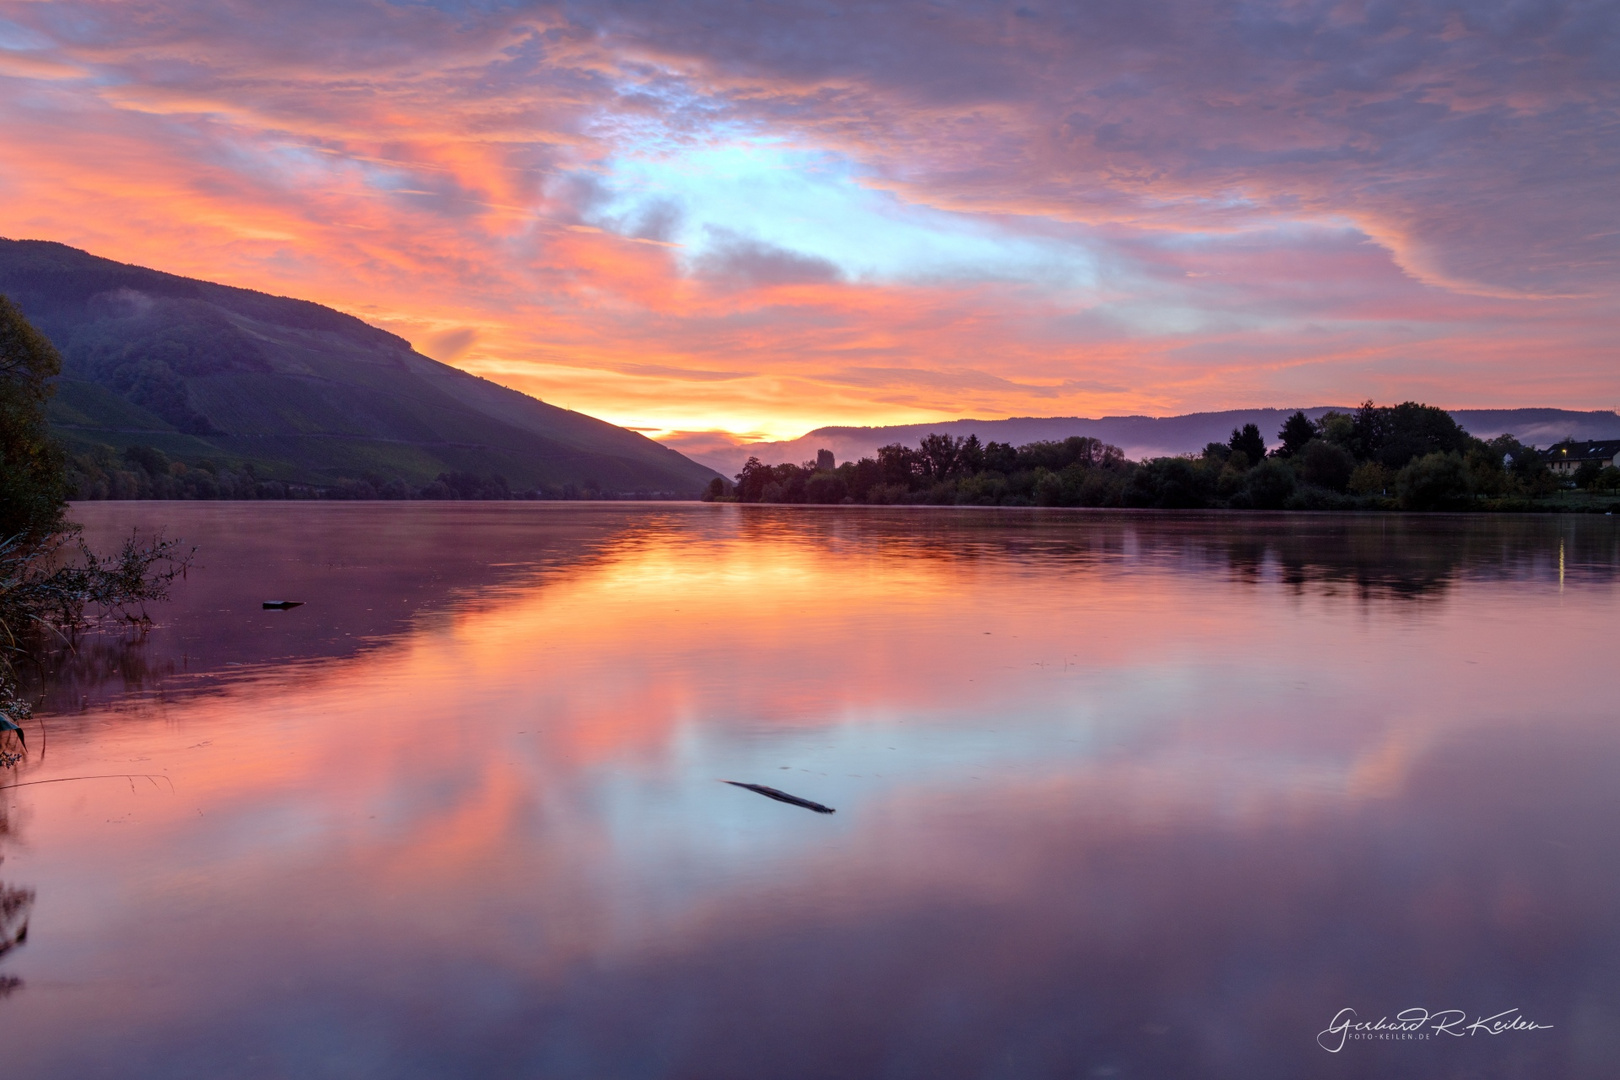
(21, 38)
(815, 203)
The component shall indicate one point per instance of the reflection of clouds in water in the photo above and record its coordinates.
(664, 662)
(447, 557)
(1128, 789)
(1058, 928)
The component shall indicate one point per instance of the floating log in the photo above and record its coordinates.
(781, 796)
(282, 605)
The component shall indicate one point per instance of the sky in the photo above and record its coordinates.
(720, 220)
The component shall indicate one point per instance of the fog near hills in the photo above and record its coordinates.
(1143, 436)
(300, 391)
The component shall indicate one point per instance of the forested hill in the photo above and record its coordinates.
(302, 393)
(1142, 437)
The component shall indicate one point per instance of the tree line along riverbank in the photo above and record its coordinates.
(1399, 457)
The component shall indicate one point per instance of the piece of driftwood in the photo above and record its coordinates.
(781, 796)
(282, 605)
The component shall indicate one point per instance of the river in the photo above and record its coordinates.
(1117, 795)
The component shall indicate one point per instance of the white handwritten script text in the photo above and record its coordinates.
(1420, 1024)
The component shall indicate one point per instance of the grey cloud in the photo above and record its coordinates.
(656, 219)
(732, 257)
(1480, 140)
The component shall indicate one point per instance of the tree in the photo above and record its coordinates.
(900, 464)
(1325, 465)
(1414, 431)
(1249, 442)
(999, 457)
(939, 454)
(1369, 427)
(752, 480)
(32, 488)
(1337, 428)
(1521, 460)
(1296, 432)
(970, 455)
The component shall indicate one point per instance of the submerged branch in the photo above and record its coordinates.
(151, 778)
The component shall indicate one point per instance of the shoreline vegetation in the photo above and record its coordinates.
(1404, 457)
(1410, 457)
(52, 584)
(145, 472)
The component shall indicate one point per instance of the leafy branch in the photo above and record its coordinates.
(57, 586)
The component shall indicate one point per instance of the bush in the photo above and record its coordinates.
(1437, 481)
(1048, 489)
(44, 590)
(1102, 488)
(1269, 485)
(887, 494)
(1170, 484)
(826, 488)
(1370, 478)
(984, 489)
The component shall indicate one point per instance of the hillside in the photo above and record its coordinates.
(304, 393)
(1144, 436)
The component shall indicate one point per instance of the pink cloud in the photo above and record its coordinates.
(1285, 203)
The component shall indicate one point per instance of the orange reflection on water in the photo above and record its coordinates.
(1088, 736)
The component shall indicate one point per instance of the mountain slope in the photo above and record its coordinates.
(305, 393)
(1144, 436)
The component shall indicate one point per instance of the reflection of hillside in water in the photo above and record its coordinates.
(370, 572)
(1118, 794)
(367, 573)
(1390, 554)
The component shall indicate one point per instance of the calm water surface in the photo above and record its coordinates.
(1131, 795)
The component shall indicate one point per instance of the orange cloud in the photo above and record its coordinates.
(451, 176)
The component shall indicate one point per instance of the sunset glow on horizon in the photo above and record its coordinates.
(753, 220)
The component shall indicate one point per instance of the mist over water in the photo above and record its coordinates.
(1117, 794)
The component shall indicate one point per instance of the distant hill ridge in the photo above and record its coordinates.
(1145, 436)
(304, 393)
